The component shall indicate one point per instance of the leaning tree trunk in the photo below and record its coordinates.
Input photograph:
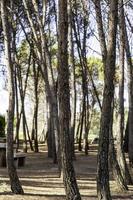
(103, 188)
(36, 103)
(17, 110)
(15, 183)
(81, 126)
(69, 178)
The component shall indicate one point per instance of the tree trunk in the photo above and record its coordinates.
(126, 137)
(24, 130)
(120, 153)
(69, 178)
(81, 126)
(49, 139)
(22, 109)
(14, 180)
(89, 112)
(78, 128)
(117, 172)
(17, 110)
(103, 188)
(130, 95)
(74, 93)
(22, 95)
(36, 76)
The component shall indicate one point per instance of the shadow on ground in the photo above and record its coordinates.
(40, 179)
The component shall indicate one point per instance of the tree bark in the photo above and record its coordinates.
(117, 172)
(14, 180)
(120, 153)
(36, 103)
(74, 93)
(69, 178)
(130, 94)
(103, 188)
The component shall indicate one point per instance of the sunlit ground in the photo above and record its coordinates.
(40, 179)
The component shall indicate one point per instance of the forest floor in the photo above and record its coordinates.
(40, 178)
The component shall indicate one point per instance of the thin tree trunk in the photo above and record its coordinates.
(17, 110)
(49, 139)
(88, 124)
(81, 126)
(36, 76)
(126, 137)
(28, 133)
(23, 110)
(78, 128)
(22, 90)
(22, 94)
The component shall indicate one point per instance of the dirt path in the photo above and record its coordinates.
(40, 179)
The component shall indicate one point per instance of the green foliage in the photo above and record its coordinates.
(54, 53)
(95, 66)
(23, 51)
(2, 126)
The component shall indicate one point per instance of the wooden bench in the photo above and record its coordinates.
(19, 159)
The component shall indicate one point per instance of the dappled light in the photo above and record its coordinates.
(41, 179)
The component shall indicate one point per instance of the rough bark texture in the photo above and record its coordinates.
(69, 178)
(103, 188)
(14, 180)
(121, 96)
(120, 153)
(118, 176)
(73, 77)
(130, 94)
(100, 29)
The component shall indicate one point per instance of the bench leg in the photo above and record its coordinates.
(3, 158)
(21, 161)
(16, 162)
